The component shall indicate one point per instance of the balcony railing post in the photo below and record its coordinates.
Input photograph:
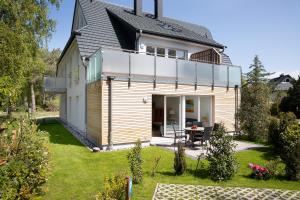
(129, 75)
(176, 81)
(196, 78)
(154, 78)
(227, 77)
(213, 77)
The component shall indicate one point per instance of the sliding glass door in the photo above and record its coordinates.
(172, 113)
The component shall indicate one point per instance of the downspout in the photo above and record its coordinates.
(109, 82)
(137, 40)
(85, 62)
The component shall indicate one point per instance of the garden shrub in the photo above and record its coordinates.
(273, 134)
(135, 162)
(24, 160)
(222, 162)
(155, 165)
(290, 151)
(273, 167)
(286, 120)
(179, 160)
(114, 188)
(274, 110)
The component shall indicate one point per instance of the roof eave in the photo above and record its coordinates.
(72, 37)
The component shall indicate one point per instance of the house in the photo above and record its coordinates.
(280, 85)
(125, 75)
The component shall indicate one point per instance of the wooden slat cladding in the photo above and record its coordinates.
(94, 112)
(132, 118)
(209, 56)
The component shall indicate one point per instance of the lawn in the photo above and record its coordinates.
(38, 114)
(76, 173)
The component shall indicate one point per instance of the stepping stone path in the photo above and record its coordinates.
(195, 192)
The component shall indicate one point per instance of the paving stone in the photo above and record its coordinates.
(197, 192)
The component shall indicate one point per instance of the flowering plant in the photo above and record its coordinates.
(259, 172)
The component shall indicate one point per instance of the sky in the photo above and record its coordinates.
(267, 28)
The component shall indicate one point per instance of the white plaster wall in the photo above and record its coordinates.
(75, 97)
(169, 43)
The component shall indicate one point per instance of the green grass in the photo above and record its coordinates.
(76, 173)
(38, 114)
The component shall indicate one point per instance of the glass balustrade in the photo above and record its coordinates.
(107, 62)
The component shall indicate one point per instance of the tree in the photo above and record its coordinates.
(179, 160)
(290, 151)
(222, 163)
(292, 101)
(254, 112)
(23, 26)
(135, 162)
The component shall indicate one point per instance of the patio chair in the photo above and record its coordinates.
(206, 135)
(216, 126)
(179, 134)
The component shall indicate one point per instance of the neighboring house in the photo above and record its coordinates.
(126, 75)
(280, 85)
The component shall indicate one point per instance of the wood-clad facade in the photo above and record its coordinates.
(208, 56)
(94, 112)
(132, 116)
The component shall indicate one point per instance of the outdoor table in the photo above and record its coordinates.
(192, 131)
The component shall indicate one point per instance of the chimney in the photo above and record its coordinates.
(158, 9)
(138, 4)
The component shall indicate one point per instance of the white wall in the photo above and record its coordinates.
(169, 43)
(75, 97)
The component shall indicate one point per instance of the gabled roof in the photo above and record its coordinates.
(165, 27)
(281, 79)
(106, 23)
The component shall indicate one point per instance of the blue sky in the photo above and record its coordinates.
(268, 28)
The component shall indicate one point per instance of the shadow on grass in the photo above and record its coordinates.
(57, 132)
(167, 173)
(268, 152)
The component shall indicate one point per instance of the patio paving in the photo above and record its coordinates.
(194, 192)
(168, 143)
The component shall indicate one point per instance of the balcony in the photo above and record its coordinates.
(132, 66)
(55, 84)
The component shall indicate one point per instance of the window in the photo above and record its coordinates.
(150, 50)
(160, 52)
(172, 53)
(181, 54)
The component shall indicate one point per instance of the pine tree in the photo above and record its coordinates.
(254, 111)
